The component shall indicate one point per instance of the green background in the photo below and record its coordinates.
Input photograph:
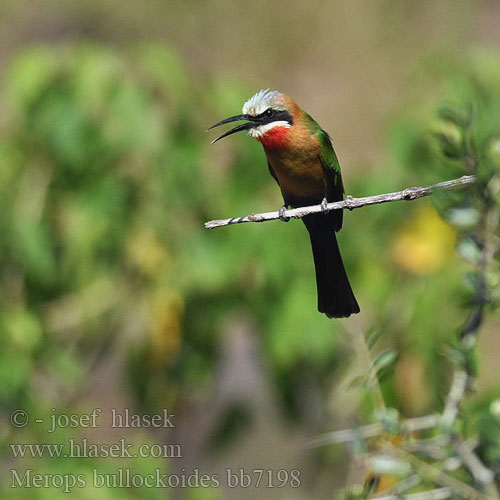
(113, 295)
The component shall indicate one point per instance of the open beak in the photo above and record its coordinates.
(243, 126)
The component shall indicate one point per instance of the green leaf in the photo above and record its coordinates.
(385, 360)
(468, 249)
(462, 217)
(389, 466)
(449, 146)
(390, 419)
(459, 117)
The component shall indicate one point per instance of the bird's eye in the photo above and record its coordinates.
(269, 112)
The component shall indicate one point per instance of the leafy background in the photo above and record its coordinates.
(114, 295)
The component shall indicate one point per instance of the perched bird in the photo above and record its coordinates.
(301, 159)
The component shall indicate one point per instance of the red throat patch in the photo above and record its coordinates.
(274, 138)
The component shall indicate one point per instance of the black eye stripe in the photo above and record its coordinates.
(276, 115)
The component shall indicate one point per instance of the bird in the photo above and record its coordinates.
(301, 158)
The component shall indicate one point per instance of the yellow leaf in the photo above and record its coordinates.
(146, 252)
(166, 325)
(425, 244)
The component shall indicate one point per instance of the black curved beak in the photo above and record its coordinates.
(243, 126)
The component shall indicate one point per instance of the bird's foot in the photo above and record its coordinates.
(324, 206)
(282, 216)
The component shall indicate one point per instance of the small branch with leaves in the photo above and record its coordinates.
(433, 459)
(410, 193)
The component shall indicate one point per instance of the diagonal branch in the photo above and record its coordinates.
(436, 494)
(411, 193)
(455, 397)
(482, 475)
(434, 474)
(372, 430)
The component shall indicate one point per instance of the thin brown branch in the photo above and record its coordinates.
(411, 193)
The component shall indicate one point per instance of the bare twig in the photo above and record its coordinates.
(433, 473)
(399, 488)
(372, 430)
(482, 475)
(411, 193)
(455, 396)
(436, 494)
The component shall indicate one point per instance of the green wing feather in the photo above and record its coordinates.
(331, 166)
(328, 159)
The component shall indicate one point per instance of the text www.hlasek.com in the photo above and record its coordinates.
(124, 478)
(83, 448)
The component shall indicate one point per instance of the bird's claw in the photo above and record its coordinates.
(282, 216)
(324, 205)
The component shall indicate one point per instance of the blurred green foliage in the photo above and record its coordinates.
(106, 182)
(459, 137)
(106, 178)
(104, 193)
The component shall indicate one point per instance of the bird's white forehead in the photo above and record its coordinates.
(262, 100)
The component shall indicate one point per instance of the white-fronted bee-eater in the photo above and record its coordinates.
(301, 159)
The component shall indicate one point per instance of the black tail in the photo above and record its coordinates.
(335, 296)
